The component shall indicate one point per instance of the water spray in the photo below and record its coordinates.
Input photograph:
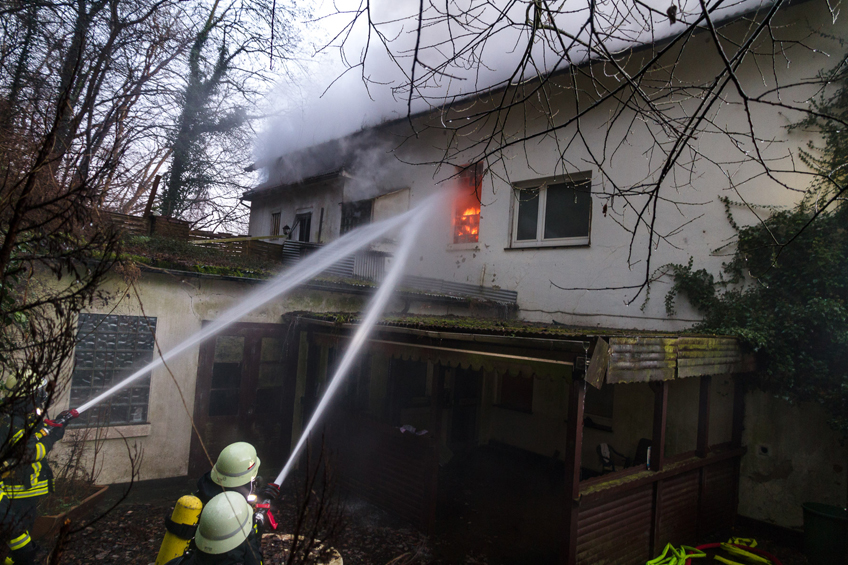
(375, 310)
(303, 271)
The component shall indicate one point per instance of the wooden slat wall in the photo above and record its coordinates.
(616, 528)
(679, 510)
(719, 498)
(392, 469)
(615, 531)
(130, 225)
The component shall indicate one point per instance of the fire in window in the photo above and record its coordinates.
(466, 217)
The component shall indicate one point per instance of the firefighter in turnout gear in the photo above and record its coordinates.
(229, 533)
(27, 441)
(235, 470)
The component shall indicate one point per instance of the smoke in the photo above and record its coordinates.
(360, 74)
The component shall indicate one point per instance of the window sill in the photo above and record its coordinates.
(537, 246)
(464, 246)
(112, 432)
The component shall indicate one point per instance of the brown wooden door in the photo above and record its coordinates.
(244, 393)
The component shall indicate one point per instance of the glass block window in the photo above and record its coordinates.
(109, 349)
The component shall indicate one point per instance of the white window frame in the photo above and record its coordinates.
(542, 185)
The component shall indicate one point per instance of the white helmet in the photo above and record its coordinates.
(236, 466)
(225, 523)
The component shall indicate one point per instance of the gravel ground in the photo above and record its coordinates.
(132, 532)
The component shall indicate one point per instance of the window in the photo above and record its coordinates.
(304, 223)
(109, 349)
(553, 212)
(226, 375)
(355, 214)
(516, 392)
(275, 223)
(466, 211)
(269, 387)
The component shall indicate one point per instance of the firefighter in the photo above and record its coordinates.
(228, 533)
(29, 441)
(235, 470)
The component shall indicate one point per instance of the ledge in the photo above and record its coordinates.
(112, 432)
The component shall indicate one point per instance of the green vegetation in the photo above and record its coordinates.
(785, 291)
(169, 253)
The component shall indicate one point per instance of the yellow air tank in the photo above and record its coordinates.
(183, 520)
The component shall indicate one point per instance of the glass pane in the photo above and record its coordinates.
(138, 414)
(528, 214)
(226, 375)
(567, 210)
(270, 375)
(119, 414)
(466, 219)
(272, 349)
(229, 349)
(223, 403)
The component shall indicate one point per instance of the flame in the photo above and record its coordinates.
(467, 225)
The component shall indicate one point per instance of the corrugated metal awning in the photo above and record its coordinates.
(644, 359)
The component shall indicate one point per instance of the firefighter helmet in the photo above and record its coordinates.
(236, 466)
(225, 523)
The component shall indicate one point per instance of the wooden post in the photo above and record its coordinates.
(573, 456)
(660, 414)
(658, 458)
(703, 446)
(436, 415)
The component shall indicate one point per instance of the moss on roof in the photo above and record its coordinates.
(488, 326)
(170, 253)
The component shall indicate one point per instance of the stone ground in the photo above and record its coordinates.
(131, 533)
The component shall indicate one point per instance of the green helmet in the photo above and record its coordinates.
(225, 523)
(236, 466)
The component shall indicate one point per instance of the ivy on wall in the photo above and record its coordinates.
(785, 290)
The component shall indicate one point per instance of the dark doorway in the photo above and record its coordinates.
(304, 223)
(244, 393)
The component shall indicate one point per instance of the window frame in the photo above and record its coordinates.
(542, 184)
(345, 227)
(475, 172)
(298, 214)
(81, 367)
(276, 222)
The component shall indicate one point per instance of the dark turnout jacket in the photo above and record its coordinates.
(248, 553)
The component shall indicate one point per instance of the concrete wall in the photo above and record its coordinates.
(793, 457)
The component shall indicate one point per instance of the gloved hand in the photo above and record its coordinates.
(56, 428)
(269, 492)
(264, 519)
(65, 417)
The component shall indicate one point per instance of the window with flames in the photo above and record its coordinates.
(466, 216)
